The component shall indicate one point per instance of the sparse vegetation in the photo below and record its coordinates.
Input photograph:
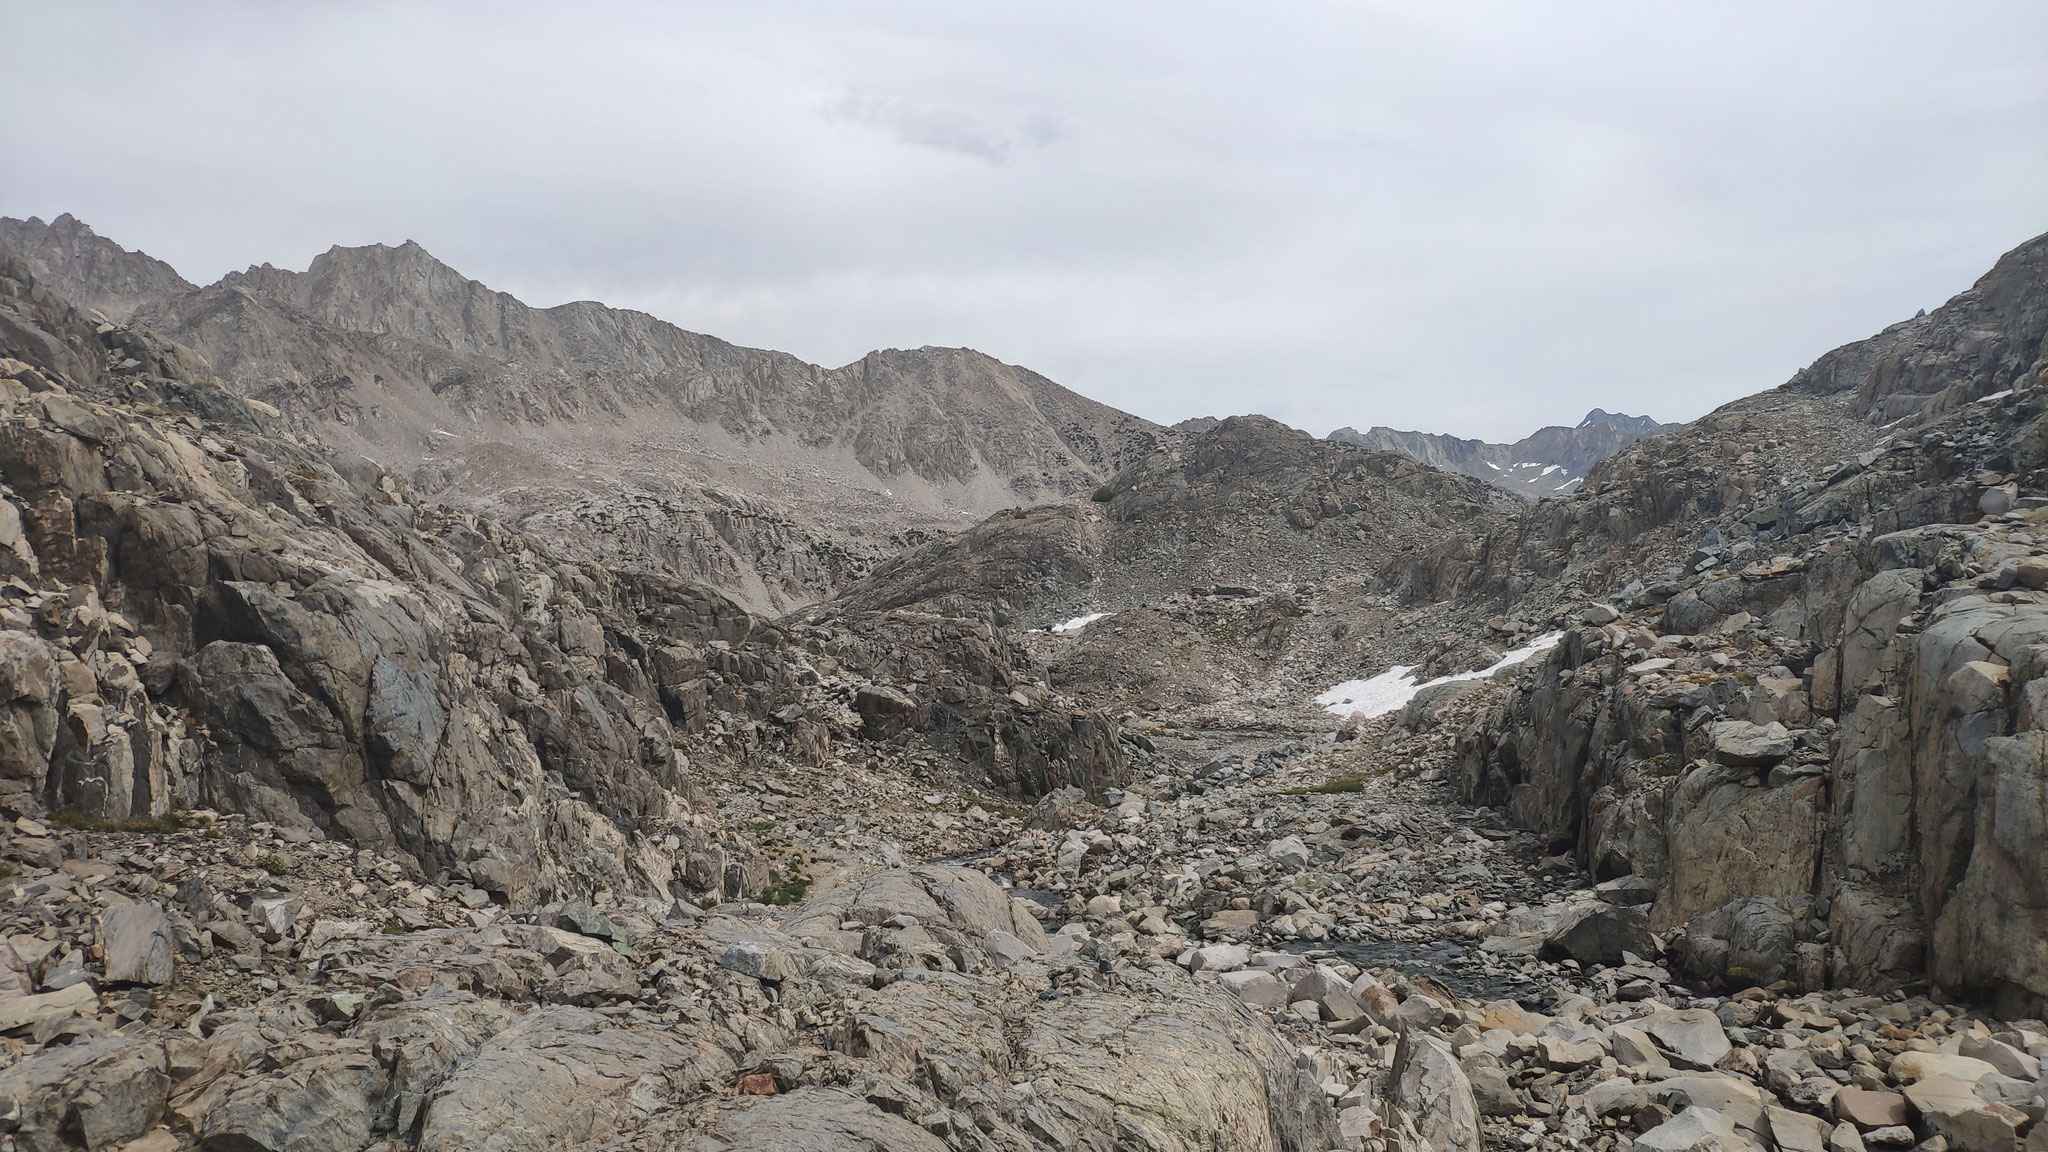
(275, 865)
(783, 890)
(168, 822)
(1329, 787)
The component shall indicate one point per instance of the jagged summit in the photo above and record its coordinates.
(621, 436)
(1549, 462)
(89, 269)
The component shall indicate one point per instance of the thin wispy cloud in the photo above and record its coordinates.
(946, 129)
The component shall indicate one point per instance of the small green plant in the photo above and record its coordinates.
(758, 825)
(275, 865)
(6, 870)
(392, 928)
(168, 822)
(783, 890)
(1104, 494)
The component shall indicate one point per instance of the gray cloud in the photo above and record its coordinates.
(945, 129)
(1470, 217)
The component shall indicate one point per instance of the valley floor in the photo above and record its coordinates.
(941, 969)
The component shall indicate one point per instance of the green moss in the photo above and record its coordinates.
(275, 865)
(1104, 494)
(758, 825)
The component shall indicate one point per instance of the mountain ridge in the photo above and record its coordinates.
(623, 437)
(1549, 461)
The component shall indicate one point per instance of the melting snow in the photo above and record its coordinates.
(1389, 690)
(1993, 396)
(1492, 465)
(1079, 622)
(1549, 470)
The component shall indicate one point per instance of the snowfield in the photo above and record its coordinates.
(1391, 689)
(1080, 622)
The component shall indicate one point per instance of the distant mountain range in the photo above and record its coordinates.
(1549, 462)
(616, 434)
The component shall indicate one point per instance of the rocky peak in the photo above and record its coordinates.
(630, 440)
(1548, 462)
(1982, 341)
(87, 268)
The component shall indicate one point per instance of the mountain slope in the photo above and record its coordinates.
(1547, 462)
(620, 437)
(88, 269)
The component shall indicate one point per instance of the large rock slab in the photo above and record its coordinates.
(136, 939)
(1435, 1093)
(575, 1059)
(1692, 1036)
(811, 1120)
(100, 1092)
(1729, 841)
(1988, 936)
(1952, 1109)
(1742, 743)
(1696, 1129)
(1598, 933)
(1181, 1073)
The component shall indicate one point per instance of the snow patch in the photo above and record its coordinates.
(1993, 396)
(1549, 470)
(1080, 622)
(1492, 465)
(1391, 689)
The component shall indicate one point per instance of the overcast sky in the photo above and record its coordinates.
(1465, 217)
